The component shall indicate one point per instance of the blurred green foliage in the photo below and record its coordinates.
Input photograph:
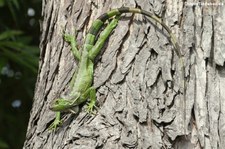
(19, 39)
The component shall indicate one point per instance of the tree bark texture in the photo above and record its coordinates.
(138, 78)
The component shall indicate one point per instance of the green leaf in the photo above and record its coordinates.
(25, 39)
(12, 44)
(3, 144)
(3, 62)
(17, 58)
(33, 50)
(16, 3)
(10, 34)
(12, 10)
(2, 3)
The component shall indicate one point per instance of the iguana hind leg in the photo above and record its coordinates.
(92, 102)
(102, 38)
(90, 93)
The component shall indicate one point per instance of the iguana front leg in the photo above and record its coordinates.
(63, 104)
(73, 43)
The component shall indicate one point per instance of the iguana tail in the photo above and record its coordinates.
(98, 23)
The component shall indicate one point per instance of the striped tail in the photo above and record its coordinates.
(98, 23)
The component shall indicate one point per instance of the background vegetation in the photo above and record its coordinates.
(19, 39)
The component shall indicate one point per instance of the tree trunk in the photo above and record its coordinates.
(138, 77)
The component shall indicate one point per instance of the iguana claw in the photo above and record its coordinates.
(55, 125)
(57, 122)
(90, 108)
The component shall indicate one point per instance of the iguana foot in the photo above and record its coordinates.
(55, 125)
(69, 38)
(90, 107)
(57, 122)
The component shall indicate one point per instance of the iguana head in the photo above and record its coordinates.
(61, 104)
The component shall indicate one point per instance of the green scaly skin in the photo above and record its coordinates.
(82, 88)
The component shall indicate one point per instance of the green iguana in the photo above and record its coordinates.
(82, 88)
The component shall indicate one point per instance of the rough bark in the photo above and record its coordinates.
(138, 78)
